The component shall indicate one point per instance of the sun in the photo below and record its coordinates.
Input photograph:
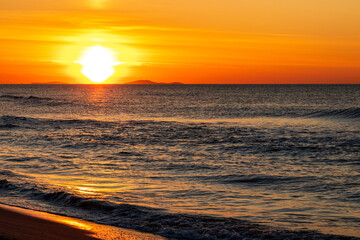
(98, 63)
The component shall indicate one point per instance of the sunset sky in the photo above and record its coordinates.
(197, 41)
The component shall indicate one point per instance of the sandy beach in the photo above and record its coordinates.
(23, 224)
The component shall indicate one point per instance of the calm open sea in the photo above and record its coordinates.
(186, 161)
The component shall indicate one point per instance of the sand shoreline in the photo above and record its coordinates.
(23, 224)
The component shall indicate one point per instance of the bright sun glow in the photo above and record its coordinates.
(98, 63)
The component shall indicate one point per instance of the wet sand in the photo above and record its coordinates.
(23, 224)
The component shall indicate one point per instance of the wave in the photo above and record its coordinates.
(7, 126)
(15, 97)
(9, 121)
(8, 96)
(4, 184)
(263, 179)
(257, 179)
(157, 221)
(348, 113)
(215, 111)
(7, 173)
(34, 100)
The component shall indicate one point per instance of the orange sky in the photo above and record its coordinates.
(202, 41)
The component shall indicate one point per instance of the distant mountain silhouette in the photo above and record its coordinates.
(149, 82)
(53, 82)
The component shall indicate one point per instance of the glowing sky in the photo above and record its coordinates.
(212, 41)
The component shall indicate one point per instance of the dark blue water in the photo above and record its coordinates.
(171, 159)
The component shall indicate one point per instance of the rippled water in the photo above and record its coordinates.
(134, 155)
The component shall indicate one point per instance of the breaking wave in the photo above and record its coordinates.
(158, 221)
(348, 113)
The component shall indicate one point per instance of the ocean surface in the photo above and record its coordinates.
(187, 161)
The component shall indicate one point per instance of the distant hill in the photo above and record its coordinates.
(53, 82)
(149, 82)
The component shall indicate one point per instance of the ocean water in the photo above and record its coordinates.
(187, 161)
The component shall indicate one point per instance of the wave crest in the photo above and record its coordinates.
(348, 113)
(178, 226)
(33, 100)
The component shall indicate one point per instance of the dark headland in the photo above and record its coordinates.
(150, 82)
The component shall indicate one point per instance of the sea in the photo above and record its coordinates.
(187, 161)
